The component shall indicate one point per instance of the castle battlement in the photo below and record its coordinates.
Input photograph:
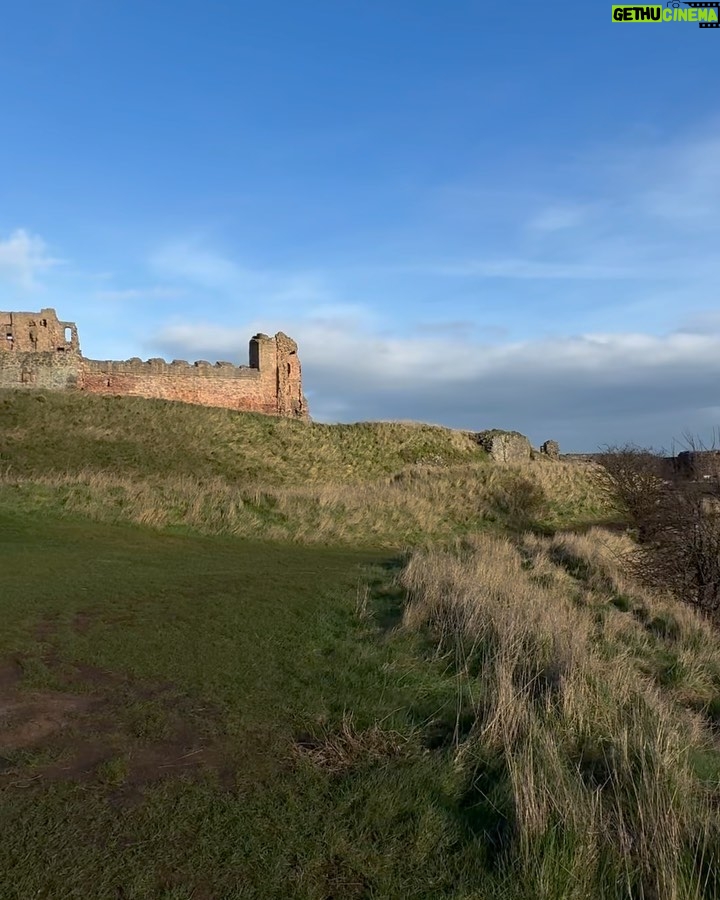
(201, 368)
(37, 350)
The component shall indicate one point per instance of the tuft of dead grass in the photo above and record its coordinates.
(347, 747)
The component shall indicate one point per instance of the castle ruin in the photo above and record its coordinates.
(37, 350)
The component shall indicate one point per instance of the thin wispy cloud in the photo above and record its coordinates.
(648, 210)
(197, 265)
(682, 188)
(517, 268)
(156, 292)
(558, 218)
(191, 263)
(23, 256)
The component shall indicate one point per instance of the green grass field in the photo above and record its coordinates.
(186, 686)
(381, 672)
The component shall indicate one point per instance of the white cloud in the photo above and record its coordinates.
(157, 292)
(558, 218)
(685, 188)
(519, 268)
(22, 257)
(192, 264)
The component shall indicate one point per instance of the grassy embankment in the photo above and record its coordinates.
(499, 712)
(217, 472)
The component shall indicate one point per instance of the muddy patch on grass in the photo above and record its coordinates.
(47, 628)
(11, 673)
(106, 728)
(26, 720)
(80, 623)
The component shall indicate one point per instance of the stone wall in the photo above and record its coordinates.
(271, 384)
(50, 371)
(551, 449)
(37, 332)
(201, 383)
(505, 446)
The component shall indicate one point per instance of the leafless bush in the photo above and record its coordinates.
(633, 479)
(677, 520)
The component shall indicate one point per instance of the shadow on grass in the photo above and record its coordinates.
(386, 596)
(485, 811)
(449, 729)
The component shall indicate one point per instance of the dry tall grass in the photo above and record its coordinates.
(598, 756)
(417, 503)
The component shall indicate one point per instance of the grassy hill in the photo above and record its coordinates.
(75, 433)
(174, 465)
(244, 657)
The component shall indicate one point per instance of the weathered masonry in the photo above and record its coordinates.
(37, 350)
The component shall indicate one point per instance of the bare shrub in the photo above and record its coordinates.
(633, 479)
(677, 521)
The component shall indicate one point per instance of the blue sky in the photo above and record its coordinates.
(475, 215)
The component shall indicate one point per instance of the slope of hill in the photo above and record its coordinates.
(173, 465)
(78, 432)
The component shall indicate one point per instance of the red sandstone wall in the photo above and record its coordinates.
(253, 393)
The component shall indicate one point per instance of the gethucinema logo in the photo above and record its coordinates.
(705, 14)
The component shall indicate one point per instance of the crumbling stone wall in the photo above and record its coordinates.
(550, 449)
(44, 370)
(271, 384)
(37, 333)
(505, 446)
